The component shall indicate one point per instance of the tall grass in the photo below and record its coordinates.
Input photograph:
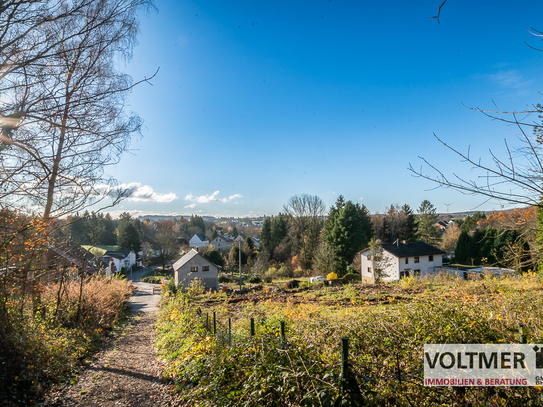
(40, 346)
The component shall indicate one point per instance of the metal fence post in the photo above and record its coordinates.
(252, 327)
(283, 338)
(207, 321)
(214, 324)
(522, 332)
(345, 360)
(230, 331)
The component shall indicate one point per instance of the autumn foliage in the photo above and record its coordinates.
(47, 324)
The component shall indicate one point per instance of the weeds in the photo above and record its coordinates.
(40, 348)
(386, 341)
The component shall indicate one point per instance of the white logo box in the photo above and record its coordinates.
(483, 365)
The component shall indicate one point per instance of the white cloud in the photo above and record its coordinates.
(210, 198)
(230, 198)
(361, 199)
(190, 206)
(146, 193)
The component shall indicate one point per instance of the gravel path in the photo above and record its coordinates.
(126, 371)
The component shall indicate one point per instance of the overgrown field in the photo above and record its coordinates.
(387, 327)
(41, 344)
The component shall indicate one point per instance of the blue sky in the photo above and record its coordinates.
(258, 101)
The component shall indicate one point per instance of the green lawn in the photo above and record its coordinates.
(100, 250)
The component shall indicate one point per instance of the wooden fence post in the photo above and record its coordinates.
(522, 332)
(252, 327)
(283, 337)
(214, 323)
(230, 331)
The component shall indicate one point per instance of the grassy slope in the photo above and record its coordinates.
(387, 326)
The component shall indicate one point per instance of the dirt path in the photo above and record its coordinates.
(126, 371)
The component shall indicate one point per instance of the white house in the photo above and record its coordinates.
(403, 259)
(119, 258)
(222, 243)
(240, 239)
(193, 265)
(199, 240)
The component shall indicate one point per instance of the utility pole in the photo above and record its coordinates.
(239, 248)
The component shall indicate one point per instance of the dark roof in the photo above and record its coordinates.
(75, 254)
(118, 254)
(201, 236)
(411, 249)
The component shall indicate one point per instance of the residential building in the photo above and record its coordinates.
(120, 259)
(222, 243)
(192, 265)
(403, 259)
(199, 240)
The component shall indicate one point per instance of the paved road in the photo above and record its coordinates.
(138, 275)
(143, 299)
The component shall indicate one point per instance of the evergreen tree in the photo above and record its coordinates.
(279, 229)
(107, 236)
(214, 256)
(194, 222)
(235, 232)
(408, 230)
(425, 220)
(266, 237)
(249, 243)
(348, 229)
(463, 253)
(129, 237)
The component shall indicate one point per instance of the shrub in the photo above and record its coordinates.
(331, 276)
(224, 279)
(268, 279)
(153, 279)
(171, 288)
(285, 271)
(299, 272)
(255, 280)
(351, 277)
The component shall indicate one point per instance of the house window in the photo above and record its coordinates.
(404, 273)
(193, 269)
(416, 273)
(417, 259)
(406, 260)
(205, 268)
(430, 258)
(369, 270)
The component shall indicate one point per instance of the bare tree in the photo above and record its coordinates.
(516, 179)
(306, 214)
(70, 111)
